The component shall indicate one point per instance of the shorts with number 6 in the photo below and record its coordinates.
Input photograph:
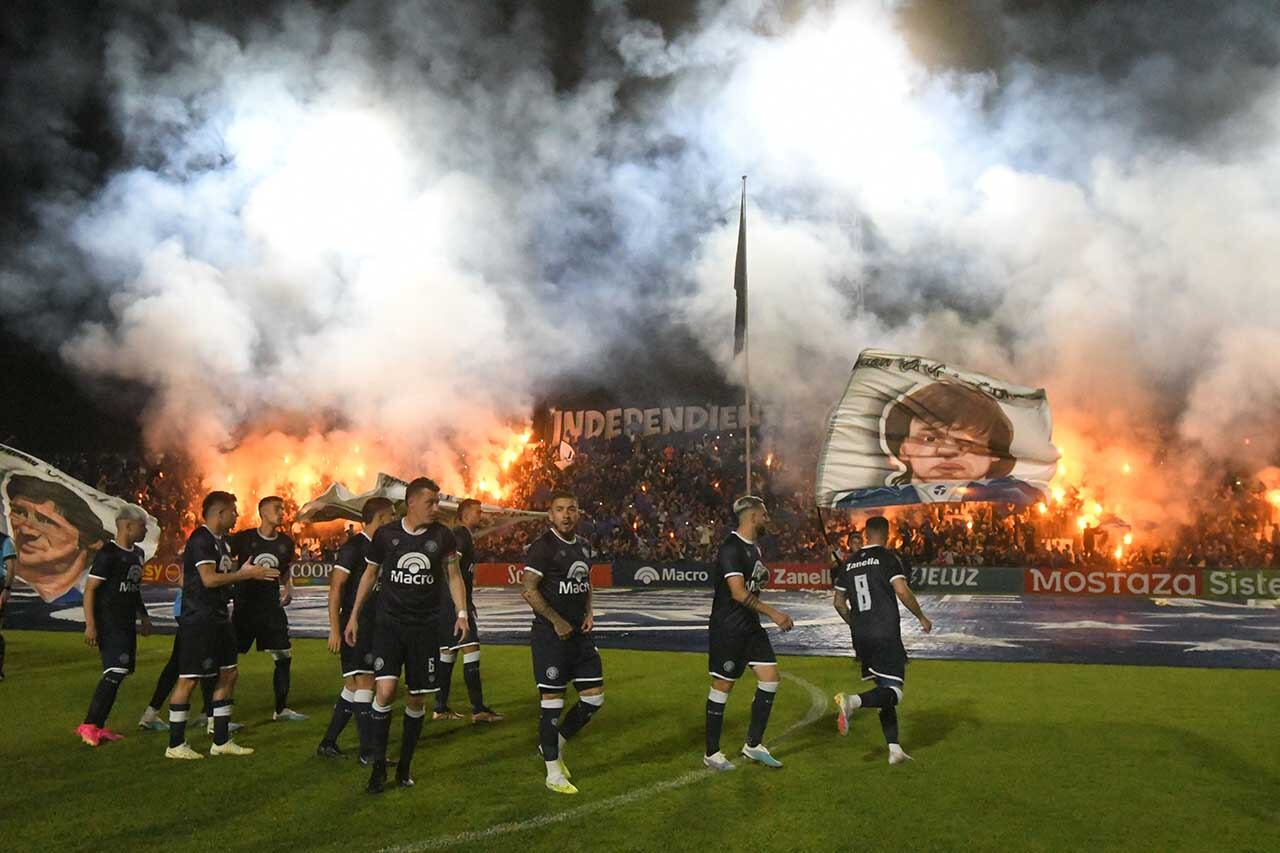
(413, 647)
(731, 653)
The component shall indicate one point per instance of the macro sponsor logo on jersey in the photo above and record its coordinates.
(267, 559)
(578, 580)
(1101, 582)
(413, 569)
(1240, 583)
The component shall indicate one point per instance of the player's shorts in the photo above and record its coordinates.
(118, 647)
(731, 653)
(883, 660)
(205, 649)
(264, 622)
(449, 640)
(557, 662)
(411, 647)
(358, 659)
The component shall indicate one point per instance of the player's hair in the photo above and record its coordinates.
(373, 506)
(745, 503)
(561, 494)
(213, 500)
(466, 504)
(419, 484)
(71, 506)
(950, 405)
(878, 526)
(129, 512)
(270, 499)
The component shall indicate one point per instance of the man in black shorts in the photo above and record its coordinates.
(557, 585)
(112, 606)
(737, 639)
(357, 660)
(206, 640)
(411, 562)
(868, 588)
(259, 605)
(468, 517)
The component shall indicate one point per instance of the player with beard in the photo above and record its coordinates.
(411, 562)
(259, 613)
(557, 585)
(468, 517)
(357, 660)
(206, 640)
(112, 606)
(867, 590)
(737, 639)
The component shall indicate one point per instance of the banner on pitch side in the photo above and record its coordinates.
(1065, 581)
(914, 430)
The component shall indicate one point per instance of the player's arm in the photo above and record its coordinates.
(338, 579)
(286, 575)
(531, 594)
(458, 592)
(367, 581)
(841, 603)
(908, 598)
(143, 615)
(9, 561)
(212, 578)
(589, 622)
(751, 601)
(91, 585)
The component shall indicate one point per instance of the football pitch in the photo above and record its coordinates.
(1009, 756)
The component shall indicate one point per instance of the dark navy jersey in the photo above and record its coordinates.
(563, 568)
(117, 599)
(412, 570)
(467, 568)
(277, 552)
(201, 604)
(866, 580)
(351, 559)
(737, 557)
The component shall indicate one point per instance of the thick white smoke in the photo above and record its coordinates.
(398, 224)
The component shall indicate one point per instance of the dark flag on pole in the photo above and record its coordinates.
(740, 277)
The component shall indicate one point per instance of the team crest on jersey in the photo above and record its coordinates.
(226, 565)
(728, 666)
(395, 542)
(553, 673)
(368, 657)
(431, 546)
(759, 576)
(377, 663)
(208, 663)
(124, 657)
(135, 573)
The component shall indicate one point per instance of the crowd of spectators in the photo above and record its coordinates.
(656, 501)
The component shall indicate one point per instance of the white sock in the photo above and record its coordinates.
(563, 743)
(149, 714)
(553, 771)
(852, 702)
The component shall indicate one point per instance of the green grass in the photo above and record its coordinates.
(1009, 757)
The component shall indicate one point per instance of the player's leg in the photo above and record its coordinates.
(764, 664)
(726, 658)
(389, 655)
(273, 638)
(196, 647)
(448, 655)
(549, 674)
(587, 672)
(224, 693)
(104, 696)
(164, 686)
(480, 712)
(363, 706)
(119, 654)
(343, 709)
(421, 669)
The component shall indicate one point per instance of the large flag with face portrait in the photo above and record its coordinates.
(913, 430)
(339, 502)
(57, 524)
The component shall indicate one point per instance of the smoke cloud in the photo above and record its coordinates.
(395, 221)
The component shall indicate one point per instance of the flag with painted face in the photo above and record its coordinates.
(912, 430)
(57, 525)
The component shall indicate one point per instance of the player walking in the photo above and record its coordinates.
(870, 584)
(737, 639)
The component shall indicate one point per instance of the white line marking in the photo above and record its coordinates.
(817, 707)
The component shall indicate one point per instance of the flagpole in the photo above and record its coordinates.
(746, 346)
